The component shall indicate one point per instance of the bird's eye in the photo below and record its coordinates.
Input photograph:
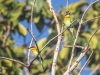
(68, 12)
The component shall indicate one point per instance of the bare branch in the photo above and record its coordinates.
(59, 38)
(86, 68)
(31, 30)
(14, 61)
(91, 19)
(77, 46)
(49, 51)
(80, 23)
(86, 63)
(86, 48)
(6, 34)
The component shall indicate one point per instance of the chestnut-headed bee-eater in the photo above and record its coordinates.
(35, 52)
(67, 22)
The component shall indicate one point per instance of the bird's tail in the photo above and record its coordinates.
(72, 32)
(41, 61)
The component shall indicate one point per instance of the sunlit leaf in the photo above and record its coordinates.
(75, 6)
(22, 30)
(7, 63)
(97, 6)
(93, 42)
(97, 57)
(36, 19)
(45, 11)
(64, 53)
(42, 42)
(39, 4)
(95, 24)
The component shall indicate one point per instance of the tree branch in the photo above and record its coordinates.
(86, 48)
(86, 63)
(77, 46)
(78, 31)
(91, 19)
(59, 38)
(31, 30)
(14, 61)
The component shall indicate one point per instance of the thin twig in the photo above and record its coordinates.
(78, 59)
(77, 46)
(28, 60)
(93, 34)
(6, 34)
(86, 48)
(91, 19)
(80, 23)
(14, 61)
(86, 63)
(86, 68)
(31, 30)
(49, 51)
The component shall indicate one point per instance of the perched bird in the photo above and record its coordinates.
(67, 22)
(35, 52)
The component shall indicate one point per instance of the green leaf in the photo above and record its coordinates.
(36, 19)
(22, 30)
(93, 42)
(40, 24)
(38, 5)
(7, 2)
(76, 6)
(98, 45)
(95, 24)
(42, 42)
(96, 6)
(46, 11)
(47, 61)
(64, 53)
(7, 63)
(17, 11)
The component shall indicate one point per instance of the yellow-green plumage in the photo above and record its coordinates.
(34, 51)
(67, 22)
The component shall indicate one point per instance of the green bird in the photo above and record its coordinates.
(67, 22)
(34, 51)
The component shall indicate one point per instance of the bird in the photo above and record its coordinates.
(35, 52)
(67, 22)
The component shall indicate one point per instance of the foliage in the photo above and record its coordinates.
(14, 11)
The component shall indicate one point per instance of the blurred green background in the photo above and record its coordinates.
(15, 16)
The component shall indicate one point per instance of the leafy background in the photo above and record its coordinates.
(15, 18)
